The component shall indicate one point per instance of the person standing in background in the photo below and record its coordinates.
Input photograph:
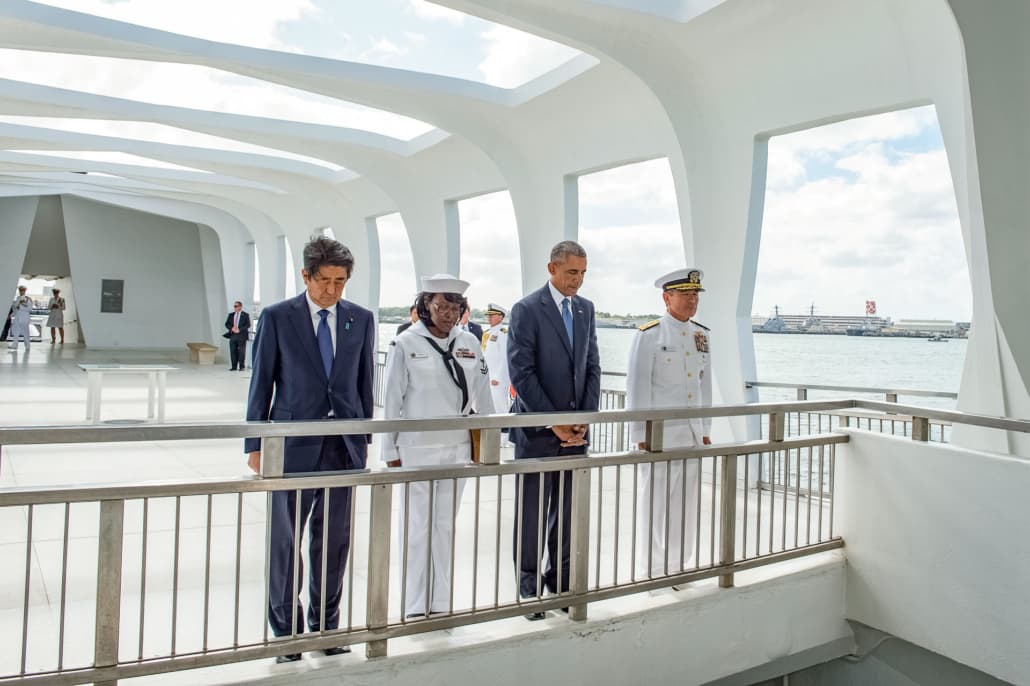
(555, 367)
(473, 328)
(412, 318)
(495, 351)
(21, 310)
(55, 320)
(237, 326)
(670, 366)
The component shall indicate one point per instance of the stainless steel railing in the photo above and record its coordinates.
(893, 423)
(169, 576)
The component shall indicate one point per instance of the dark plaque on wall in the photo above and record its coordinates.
(111, 294)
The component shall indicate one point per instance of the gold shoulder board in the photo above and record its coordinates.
(650, 325)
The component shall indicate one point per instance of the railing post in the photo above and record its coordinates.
(777, 426)
(579, 566)
(378, 601)
(920, 429)
(728, 518)
(892, 397)
(273, 457)
(489, 446)
(845, 421)
(620, 427)
(109, 585)
(655, 435)
(802, 394)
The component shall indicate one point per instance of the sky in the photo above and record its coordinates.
(855, 211)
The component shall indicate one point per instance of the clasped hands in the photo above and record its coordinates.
(571, 435)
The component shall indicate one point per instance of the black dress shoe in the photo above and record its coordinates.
(536, 616)
(336, 650)
(288, 657)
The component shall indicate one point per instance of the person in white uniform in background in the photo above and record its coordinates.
(670, 366)
(495, 350)
(433, 369)
(21, 310)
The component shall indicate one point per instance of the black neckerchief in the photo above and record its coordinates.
(454, 369)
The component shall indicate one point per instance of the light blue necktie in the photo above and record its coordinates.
(325, 342)
(566, 315)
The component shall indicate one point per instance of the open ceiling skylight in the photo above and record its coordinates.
(407, 34)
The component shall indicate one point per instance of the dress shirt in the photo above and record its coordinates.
(558, 297)
(316, 318)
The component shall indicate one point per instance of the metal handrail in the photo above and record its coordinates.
(38, 435)
(852, 389)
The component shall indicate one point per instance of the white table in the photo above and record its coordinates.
(156, 375)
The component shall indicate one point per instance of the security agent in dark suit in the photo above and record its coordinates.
(555, 367)
(237, 326)
(314, 356)
(412, 318)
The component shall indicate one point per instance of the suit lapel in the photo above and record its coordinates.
(305, 331)
(552, 315)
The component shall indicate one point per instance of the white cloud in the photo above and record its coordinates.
(429, 12)
(397, 273)
(514, 57)
(890, 234)
(383, 50)
(490, 249)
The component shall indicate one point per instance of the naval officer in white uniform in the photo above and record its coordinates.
(670, 366)
(21, 310)
(495, 350)
(433, 369)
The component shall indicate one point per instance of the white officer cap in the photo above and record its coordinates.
(494, 308)
(688, 279)
(444, 283)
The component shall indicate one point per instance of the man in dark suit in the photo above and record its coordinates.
(237, 326)
(314, 356)
(555, 367)
(470, 326)
(412, 318)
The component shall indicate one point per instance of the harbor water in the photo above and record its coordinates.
(900, 363)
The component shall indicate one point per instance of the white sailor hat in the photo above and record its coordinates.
(494, 308)
(443, 283)
(681, 280)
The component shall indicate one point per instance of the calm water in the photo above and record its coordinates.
(910, 363)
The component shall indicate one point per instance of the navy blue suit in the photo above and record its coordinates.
(289, 383)
(549, 375)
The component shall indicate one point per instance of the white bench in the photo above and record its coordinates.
(202, 353)
(157, 375)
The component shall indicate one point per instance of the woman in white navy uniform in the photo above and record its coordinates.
(670, 366)
(433, 369)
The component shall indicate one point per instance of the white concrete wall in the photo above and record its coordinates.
(937, 545)
(16, 217)
(692, 637)
(161, 263)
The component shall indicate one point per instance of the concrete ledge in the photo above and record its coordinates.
(785, 614)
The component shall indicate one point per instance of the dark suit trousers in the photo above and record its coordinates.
(238, 352)
(554, 490)
(284, 603)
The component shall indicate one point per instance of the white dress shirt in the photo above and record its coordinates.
(316, 318)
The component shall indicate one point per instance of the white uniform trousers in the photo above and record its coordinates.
(430, 534)
(502, 401)
(663, 513)
(19, 328)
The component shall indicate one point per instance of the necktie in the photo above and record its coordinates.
(325, 342)
(566, 315)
